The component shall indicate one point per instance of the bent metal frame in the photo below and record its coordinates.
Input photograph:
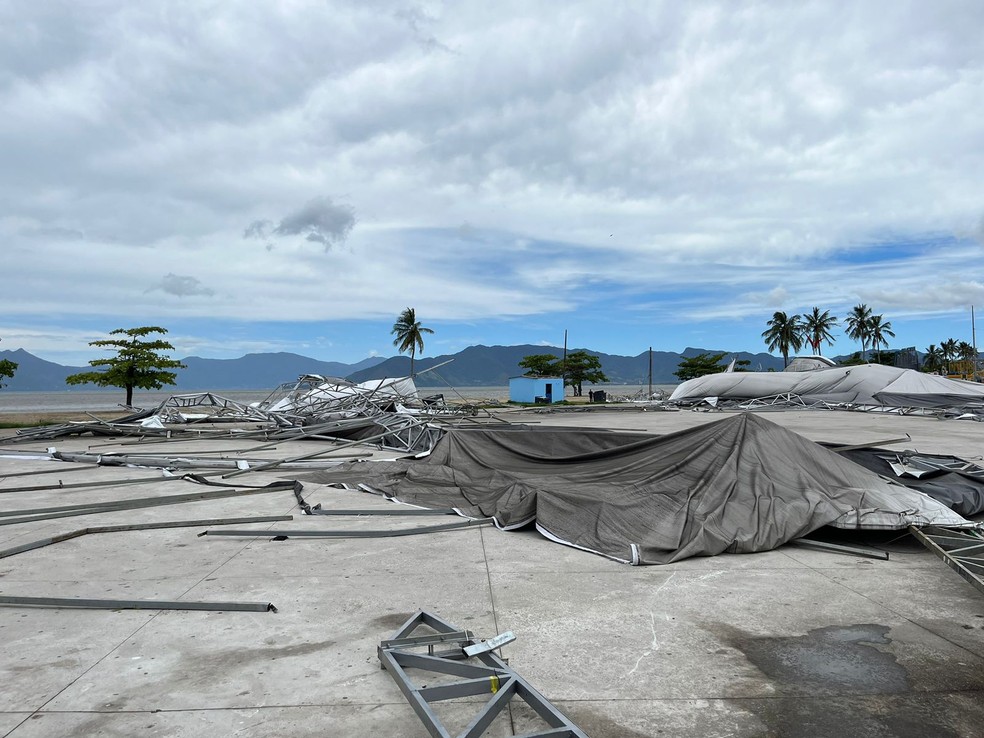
(492, 677)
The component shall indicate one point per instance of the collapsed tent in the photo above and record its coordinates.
(740, 485)
(957, 483)
(867, 384)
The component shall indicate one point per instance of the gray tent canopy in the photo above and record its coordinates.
(739, 485)
(868, 384)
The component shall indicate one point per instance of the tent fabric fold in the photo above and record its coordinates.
(739, 485)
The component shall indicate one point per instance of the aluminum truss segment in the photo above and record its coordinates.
(484, 673)
(961, 549)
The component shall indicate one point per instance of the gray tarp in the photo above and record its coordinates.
(961, 492)
(739, 485)
(868, 384)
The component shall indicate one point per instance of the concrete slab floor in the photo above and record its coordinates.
(791, 642)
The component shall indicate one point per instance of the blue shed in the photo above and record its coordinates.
(528, 389)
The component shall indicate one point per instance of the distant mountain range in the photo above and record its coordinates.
(475, 366)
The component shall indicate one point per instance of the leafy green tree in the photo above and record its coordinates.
(581, 367)
(879, 330)
(7, 369)
(540, 365)
(137, 363)
(857, 326)
(933, 360)
(816, 329)
(700, 365)
(409, 334)
(784, 333)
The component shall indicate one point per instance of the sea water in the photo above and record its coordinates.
(110, 400)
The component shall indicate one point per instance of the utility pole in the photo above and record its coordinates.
(973, 338)
(650, 373)
(563, 371)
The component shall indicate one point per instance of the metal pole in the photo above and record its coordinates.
(973, 338)
(563, 371)
(650, 373)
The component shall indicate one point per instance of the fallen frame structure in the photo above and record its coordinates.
(961, 550)
(491, 676)
(386, 412)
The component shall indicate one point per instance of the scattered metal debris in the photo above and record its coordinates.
(136, 604)
(387, 412)
(870, 553)
(491, 676)
(961, 550)
(138, 526)
(13, 517)
(396, 533)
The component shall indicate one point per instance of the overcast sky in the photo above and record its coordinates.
(289, 176)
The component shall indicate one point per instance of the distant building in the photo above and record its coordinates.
(536, 389)
(907, 358)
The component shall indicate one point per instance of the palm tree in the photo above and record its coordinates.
(409, 334)
(949, 351)
(878, 332)
(784, 333)
(857, 325)
(967, 355)
(933, 360)
(816, 329)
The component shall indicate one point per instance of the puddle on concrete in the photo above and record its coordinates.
(840, 659)
(391, 622)
(838, 681)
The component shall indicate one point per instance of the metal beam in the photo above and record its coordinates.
(139, 526)
(136, 604)
(348, 533)
(398, 510)
(871, 553)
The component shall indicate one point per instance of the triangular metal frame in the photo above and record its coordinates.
(485, 673)
(961, 549)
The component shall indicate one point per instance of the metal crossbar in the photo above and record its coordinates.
(961, 549)
(491, 676)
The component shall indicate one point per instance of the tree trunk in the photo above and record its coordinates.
(411, 361)
(129, 395)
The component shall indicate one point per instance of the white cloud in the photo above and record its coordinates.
(504, 160)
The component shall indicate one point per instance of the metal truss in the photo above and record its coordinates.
(211, 407)
(783, 399)
(961, 549)
(491, 676)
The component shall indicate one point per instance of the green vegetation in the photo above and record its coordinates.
(541, 365)
(816, 329)
(409, 334)
(700, 365)
(137, 364)
(580, 367)
(787, 333)
(784, 333)
(878, 332)
(858, 326)
(950, 357)
(7, 369)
